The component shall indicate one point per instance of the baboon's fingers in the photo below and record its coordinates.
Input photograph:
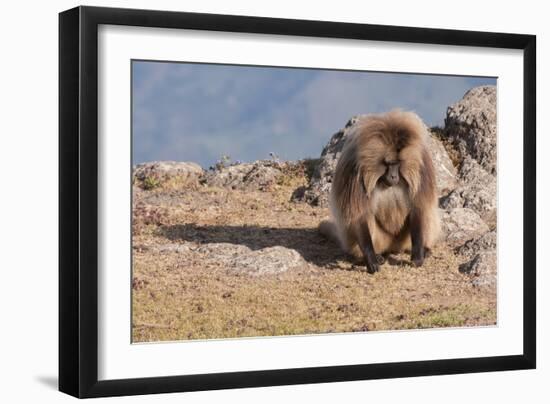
(372, 266)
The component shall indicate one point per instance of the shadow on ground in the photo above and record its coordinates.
(306, 241)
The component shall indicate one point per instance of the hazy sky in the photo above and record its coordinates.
(198, 112)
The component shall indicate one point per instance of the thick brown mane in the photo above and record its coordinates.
(360, 200)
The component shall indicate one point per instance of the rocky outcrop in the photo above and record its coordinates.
(445, 171)
(222, 251)
(460, 225)
(477, 191)
(259, 175)
(267, 261)
(242, 260)
(153, 174)
(472, 125)
(236, 258)
(486, 242)
(482, 268)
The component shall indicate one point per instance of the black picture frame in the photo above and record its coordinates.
(78, 201)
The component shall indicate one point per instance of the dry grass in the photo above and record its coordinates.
(181, 293)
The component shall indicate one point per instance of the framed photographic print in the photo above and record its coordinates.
(249, 201)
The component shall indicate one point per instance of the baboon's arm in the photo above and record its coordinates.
(365, 243)
(417, 237)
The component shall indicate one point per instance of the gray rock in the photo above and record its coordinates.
(472, 125)
(317, 193)
(173, 248)
(260, 175)
(445, 171)
(167, 168)
(477, 191)
(156, 172)
(460, 225)
(482, 268)
(484, 243)
(242, 260)
(222, 252)
(164, 248)
(267, 261)
(471, 171)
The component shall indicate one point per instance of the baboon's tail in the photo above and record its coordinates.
(328, 229)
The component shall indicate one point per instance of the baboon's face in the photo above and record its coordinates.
(391, 175)
(390, 163)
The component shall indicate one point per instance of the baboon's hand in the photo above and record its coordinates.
(372, 266)
(417, 257)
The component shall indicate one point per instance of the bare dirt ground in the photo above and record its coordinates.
(181, 291)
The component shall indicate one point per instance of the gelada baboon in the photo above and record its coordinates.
(383, 197)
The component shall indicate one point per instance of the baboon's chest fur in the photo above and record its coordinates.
(391, 206)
